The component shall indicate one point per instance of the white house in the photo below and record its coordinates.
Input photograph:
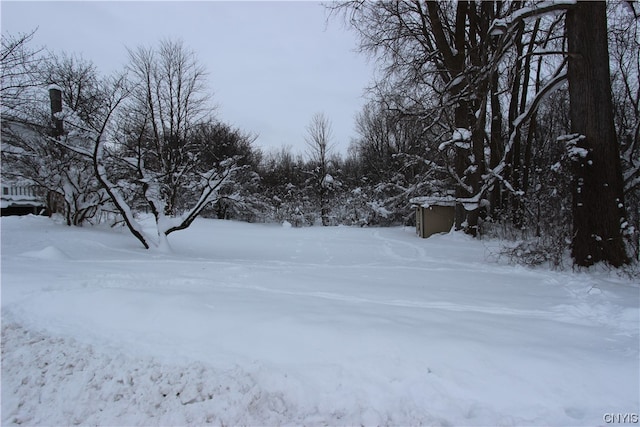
(21, 200)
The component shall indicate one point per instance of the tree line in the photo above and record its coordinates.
(147, 140)
(526, 112)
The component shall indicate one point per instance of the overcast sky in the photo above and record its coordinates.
(271, 65)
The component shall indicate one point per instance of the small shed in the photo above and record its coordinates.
(434, 214)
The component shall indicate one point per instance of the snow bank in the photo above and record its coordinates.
(49, 253)
(90, 387)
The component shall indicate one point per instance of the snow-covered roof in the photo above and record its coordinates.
(427, 201)
(20, 204)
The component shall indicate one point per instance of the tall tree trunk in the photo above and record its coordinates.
(514, 156)
(461, 163)
(598, 198)
(496, 142)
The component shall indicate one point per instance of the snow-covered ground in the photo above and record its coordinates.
(253, 324)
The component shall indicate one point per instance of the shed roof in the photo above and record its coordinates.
(426, 201)
(469, 204)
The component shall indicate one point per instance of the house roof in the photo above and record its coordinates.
(31, 203)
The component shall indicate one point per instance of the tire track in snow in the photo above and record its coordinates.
(422, 255)
(419, 254)
(437, 305)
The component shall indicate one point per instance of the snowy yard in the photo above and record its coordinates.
(253, 324)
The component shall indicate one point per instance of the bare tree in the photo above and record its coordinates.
(170, 100)
(20, 65)
(624, 48)
(319, 135)
(158, 156)
(398, 159)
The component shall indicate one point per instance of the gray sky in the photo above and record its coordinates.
(271, 65)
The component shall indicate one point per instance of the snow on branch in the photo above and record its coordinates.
(213, 180)
(508, 23)
(550, 87)
(413, 159)
(73, 148)
(574, 153)
(460, 138)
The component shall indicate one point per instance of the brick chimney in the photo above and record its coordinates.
(55, 95)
